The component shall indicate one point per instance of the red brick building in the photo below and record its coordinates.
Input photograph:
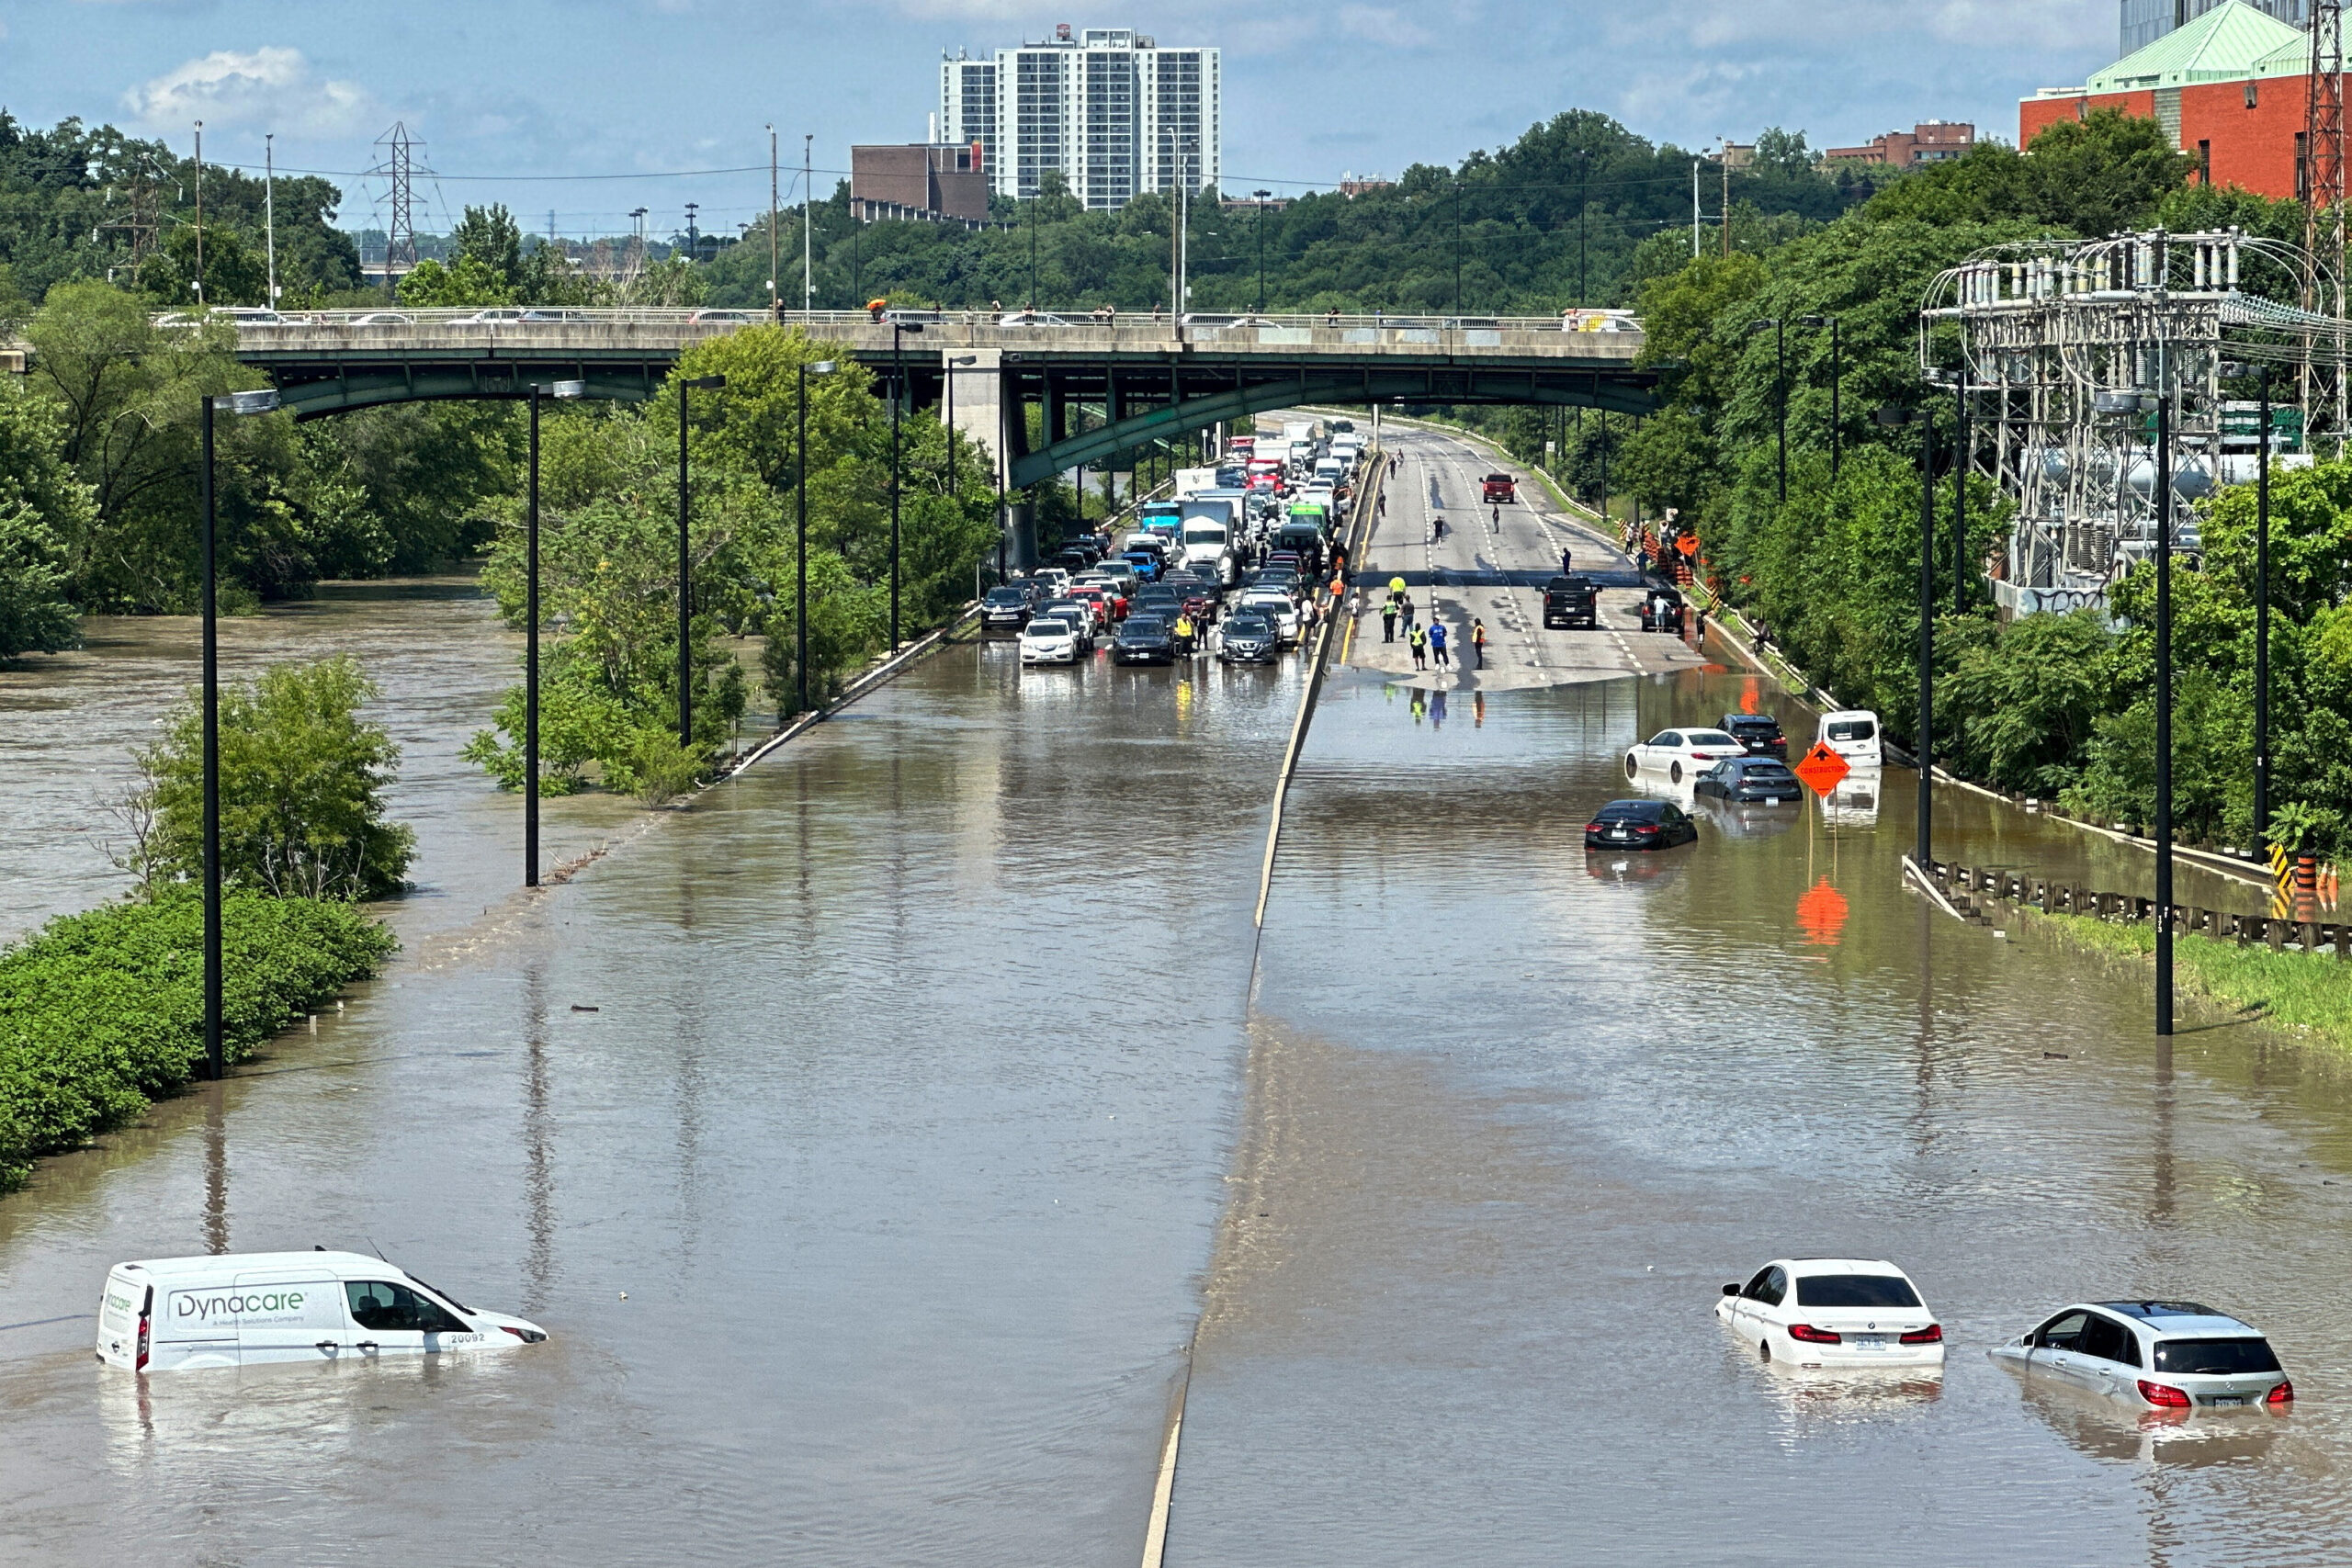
(2230, 88)
(1930, 141)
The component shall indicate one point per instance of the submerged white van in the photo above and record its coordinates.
(1852, 733)
(244, 1309)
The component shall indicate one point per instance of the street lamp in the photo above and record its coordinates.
(2261, 603)
(1837, 428)
(897, 396)
(1894, 417)
(531, 637)
(262, 401)
(1261, 197)
(1780, 389)
(686, 565)
(800, 601)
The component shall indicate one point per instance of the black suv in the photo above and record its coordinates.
(1572, 602)
(1249, 639)
(1758, 733)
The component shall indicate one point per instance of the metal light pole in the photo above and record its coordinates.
(807, 226)
(1457, 248)
(1959, 494)
(2163, 483)
(1837, 421)
(801, 610)
(1892, 417)
(262, 401)
(1780, 391)
(685, 568)
(269, 210)
(897, 396)
(2261, 602)
(566, 390)
(776, 302)
(1261, 197)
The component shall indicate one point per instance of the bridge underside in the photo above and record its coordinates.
(1146, 402)
(1130, 400)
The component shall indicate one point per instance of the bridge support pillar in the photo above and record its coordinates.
(978, 392)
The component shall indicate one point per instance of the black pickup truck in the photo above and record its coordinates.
(1571, 602)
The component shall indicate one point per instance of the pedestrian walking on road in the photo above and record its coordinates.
(1436, 643)
(1405, 610)
(1388, 620)
(1498, 516)
(1418, 641)
(1477, 643)
(1641, 558)
(1565, 567)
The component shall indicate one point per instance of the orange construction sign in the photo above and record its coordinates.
(1687, 544)
(1822, 769)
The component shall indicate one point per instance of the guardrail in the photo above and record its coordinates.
(1966, 884)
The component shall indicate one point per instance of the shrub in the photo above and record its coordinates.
(103, 1012)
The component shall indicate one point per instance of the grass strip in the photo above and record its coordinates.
(2302, 990)
(102, 1013)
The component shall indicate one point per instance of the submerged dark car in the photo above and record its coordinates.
(1639, 825)
(1750, 780)
(1249, 639)
(1143, 639)
(1758, 732)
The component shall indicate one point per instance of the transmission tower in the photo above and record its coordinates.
(2323, 146)
(399, 169)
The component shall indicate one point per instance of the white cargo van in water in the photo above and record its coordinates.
(1852, 733)
(244, 1309)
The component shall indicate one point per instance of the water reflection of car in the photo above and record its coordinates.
(1639, 825)
(2097, 1427)
(1048, 640)
(2153, 1355)
(1143, 639)
(1750, 781)
(1759, 732)
(1847, 1312)
(1734, 820)
(1854, 803)
(1679, 753)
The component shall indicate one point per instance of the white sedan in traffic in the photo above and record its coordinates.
(1048, 640)
(1846, 1313)
(1680, 753)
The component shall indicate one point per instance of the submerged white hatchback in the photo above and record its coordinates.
(2153, 1355)
(1834, 1312)
(246, 1309)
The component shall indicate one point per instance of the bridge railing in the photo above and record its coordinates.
(1611, 335)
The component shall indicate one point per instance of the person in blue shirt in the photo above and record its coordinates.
(1437, 642)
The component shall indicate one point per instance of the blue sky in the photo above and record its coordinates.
(640, 89)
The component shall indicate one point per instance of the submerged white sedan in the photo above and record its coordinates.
(1680, 753)
(1048, 640)
(1848, 1313)
(2175, 1355)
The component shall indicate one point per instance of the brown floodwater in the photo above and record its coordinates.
(1517, 1112)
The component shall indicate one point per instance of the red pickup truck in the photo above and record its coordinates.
(1500, 488)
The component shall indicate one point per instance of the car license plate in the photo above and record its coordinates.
(1771, 800)
(2227, 1399)
(1867, 1341)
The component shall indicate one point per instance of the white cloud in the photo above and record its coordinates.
(1381, 25)
(273, 88)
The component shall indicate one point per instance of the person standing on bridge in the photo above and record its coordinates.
(1436, 643)
(1418, 641)
(1477, 643)
(1565, 567)
(1388, 619)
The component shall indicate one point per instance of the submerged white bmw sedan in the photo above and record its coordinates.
(1848, 1313)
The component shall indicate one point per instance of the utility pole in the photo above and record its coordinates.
(808, 225)
(1725, 217)
(1694, 207)
(693, 238)
(1584, 200)
(775, 306)
(2163, 479)
(199, 218)
(1959, 494)
(2323, 145)
(400, 217)
(270, 209)
(1261, 197)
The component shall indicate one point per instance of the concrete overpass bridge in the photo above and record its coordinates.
(1145, 379)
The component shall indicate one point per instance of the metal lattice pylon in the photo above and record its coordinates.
(2323, 146)
(399, 168)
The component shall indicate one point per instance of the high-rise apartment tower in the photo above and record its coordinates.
(1110, 109)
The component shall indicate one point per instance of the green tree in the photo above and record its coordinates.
(43, 509)
(302, 783)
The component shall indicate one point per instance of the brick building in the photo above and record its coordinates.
(2230, 88)
(934, 181)
(1930, 141)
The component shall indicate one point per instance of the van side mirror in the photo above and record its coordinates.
(1731, 1290)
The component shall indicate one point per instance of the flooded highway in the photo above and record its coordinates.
(1516, 1112)
(874, 1136)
